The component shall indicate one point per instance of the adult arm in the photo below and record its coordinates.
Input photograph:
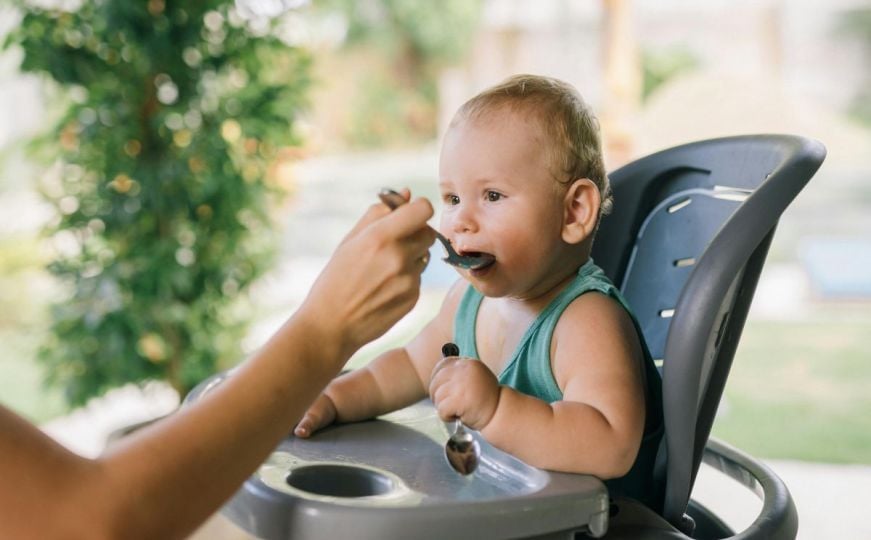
(164, 480)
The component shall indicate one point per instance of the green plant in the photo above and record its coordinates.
(660, 66)
(160, 180)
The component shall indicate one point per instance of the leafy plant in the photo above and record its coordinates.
(661, 66)
(160, 181)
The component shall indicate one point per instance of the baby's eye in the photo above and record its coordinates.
(451, 199)
(493, 196)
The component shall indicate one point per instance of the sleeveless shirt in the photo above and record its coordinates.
(529, 371)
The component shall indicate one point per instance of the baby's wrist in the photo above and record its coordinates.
(495, 411)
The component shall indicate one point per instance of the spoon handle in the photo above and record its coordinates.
(451, 349)
(394, 200)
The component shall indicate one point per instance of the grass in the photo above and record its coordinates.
(799, 390)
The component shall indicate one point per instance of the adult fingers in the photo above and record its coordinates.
(407, 219)
(375, 212)
(422, 239)
(412, 216)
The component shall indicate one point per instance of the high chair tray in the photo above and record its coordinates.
(388, 478)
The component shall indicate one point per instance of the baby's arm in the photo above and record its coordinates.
(597, 427)
(393, 380)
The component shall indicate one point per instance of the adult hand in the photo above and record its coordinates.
(464, 388)
(373, 278)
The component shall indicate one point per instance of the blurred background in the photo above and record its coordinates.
(172, 179)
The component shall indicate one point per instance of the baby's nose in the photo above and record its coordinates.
(463, 220)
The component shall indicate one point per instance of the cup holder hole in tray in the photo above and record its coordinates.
(340, 481)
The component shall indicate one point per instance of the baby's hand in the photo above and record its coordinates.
(321, 413)
(464, 388)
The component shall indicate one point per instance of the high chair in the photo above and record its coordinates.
(686, 243)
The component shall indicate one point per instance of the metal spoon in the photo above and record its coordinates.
(393, 200)
(462, 449)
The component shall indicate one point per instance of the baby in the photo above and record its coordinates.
(552, 366)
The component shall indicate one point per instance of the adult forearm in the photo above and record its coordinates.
(164, 480)
(177, 472)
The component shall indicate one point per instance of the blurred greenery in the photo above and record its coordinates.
(797, 386)
(173, 113)
(21, 379)
(411, 41)
(856, 23)
(660, 66)
(23, 297)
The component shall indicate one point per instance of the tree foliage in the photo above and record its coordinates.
(175, 111)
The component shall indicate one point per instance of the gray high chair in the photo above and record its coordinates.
(686, 244)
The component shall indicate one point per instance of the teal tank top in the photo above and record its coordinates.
(529, 371)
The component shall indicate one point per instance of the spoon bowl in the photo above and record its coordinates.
(462, 450)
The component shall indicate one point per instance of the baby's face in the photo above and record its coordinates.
(499, 197)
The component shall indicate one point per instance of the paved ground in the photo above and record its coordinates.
(831, 499)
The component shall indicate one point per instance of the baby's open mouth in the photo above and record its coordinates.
(478, 259)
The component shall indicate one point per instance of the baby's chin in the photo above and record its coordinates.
(486, 282)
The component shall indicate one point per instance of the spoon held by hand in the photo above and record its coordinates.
(472, 262)
(462, 450)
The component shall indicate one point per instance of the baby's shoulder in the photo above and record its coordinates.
(593, 316)
(592, 304)
(595, 330)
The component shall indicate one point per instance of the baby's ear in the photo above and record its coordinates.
(581, 207)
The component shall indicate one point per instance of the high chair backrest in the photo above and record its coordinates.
(686, 243)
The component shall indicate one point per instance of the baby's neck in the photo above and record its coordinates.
(539, 297)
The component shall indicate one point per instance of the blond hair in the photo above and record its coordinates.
(565, 118)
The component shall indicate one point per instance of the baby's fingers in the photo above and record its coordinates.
(441, 372)
(308, 425)
(321, 413)
(443, 395)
